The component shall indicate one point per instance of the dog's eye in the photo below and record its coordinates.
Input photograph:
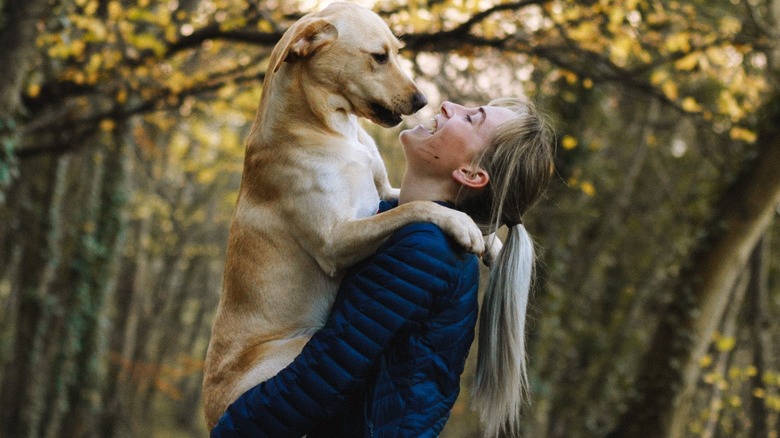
(380, 58)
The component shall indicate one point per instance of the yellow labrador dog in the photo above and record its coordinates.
(310, 189)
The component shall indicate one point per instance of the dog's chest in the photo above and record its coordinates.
(358, 180)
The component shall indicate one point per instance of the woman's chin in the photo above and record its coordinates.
(418, 132)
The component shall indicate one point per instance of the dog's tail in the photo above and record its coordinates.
(501, 378)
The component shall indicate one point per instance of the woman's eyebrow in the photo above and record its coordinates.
(484, 116)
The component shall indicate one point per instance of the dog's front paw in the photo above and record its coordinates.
(390, 194)
(493, 247)
(462, 228)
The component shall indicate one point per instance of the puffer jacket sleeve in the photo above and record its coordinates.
(378, 298)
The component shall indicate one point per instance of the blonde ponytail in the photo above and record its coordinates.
(501, 383)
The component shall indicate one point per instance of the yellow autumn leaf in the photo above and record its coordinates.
(586, 31)
(489, 28)
(107, 125)
(616, 17)
(568, 142)
(620, 49)
(727, 104)
(679, 42)
(171, 33)
(588, 188)
(743, 134)
(670, 89)
(658, 77)
(690, 105)
(79, 77)
(232, 23)
(688, 62)
(95, 61)
(91, 7)
(114, 10)
(587, 83)
(725, 343)
(77, 48)
(150, 42)
(265, 26)
(33, 90)
(730, 25)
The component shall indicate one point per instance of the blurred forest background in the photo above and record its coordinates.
(656, 313)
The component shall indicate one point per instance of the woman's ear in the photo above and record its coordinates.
(475, 179)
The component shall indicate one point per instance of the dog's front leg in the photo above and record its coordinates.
(351, 241)
(381, 181)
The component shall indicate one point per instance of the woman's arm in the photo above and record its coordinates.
(376, 300)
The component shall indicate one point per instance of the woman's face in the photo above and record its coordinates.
(457, 135)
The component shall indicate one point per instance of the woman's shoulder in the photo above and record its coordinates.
(427, 241)
(424, 234)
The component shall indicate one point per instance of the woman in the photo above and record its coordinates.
(389, 359)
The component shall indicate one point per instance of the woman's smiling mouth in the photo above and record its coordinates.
(434, 125)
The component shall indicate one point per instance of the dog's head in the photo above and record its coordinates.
(350, 52)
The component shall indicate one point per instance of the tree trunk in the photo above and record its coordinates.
(99, 278)
(168, 346)
(760, 334)
(39, 196)
(18, 32)
(120, 345)
(74, 292)
(729, 330)
(670, 369)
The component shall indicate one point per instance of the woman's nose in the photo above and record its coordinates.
(449, 109)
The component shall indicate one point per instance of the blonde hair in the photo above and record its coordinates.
(519, 162)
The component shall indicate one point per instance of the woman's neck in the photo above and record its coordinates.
(425, 188)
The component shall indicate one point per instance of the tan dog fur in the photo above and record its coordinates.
(310, 189)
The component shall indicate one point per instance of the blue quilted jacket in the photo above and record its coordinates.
(389, 359)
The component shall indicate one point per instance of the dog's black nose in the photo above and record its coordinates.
(418, 101)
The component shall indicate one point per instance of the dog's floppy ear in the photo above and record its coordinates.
(308, 37)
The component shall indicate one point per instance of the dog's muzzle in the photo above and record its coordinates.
(387, 117)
